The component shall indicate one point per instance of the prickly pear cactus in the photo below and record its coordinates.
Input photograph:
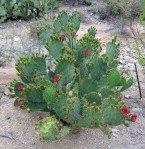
(83, 90)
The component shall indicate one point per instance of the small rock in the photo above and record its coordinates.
(126, 68)
(114, 135)
(121, 57)
(122, 61)
(91, 19)
(7, 93)
(16, 38)
(26, 52)
(136, 109)
(1, 36)
(96, 17)
(129, 64)
(109, 146)
(132, 68)
(70, 93)
(127, 96)
(2, 27)
(127, 58)
(91, 14)
(8, 118)
(98, 38)
(120, 67)
(139, 67)
(115, 130)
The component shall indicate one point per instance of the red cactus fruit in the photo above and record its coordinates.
(73, 34)
(56, 94)
(37, 33)
(19, 103)
(55, 78)
(133, 117)
(124, 110)
(62, 37)
(86, 53)
(120, 97)
(66, 45)
(23, 108)
(20, 87)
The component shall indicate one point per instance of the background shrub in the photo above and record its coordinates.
(24, 8)
(142, 16)
(4, 55)
(119, 7)
(138, 33)
(73, 2)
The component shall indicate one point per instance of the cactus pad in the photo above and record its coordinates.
(51, 129)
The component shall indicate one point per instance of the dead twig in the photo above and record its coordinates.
(2, 93)
(138, 81)
(9, 136)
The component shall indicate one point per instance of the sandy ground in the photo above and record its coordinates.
(17, 126)
(17, 132)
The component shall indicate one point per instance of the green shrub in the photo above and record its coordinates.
(12, 9)
(142, 14)
(138, 34)
(73, 2)
(4, 56)
(124, 8)
(84, 88)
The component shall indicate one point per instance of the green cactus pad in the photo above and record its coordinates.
(84, 72)
(16, 102)
(67, 70)
(51, 129)
(87, 86)
(75, 19)
(88, 42)
(98, 68)
(31, 66)
(113, 78)
(57, 26)
(16, 90)
(112, 116)
(63, 17)
(112, 50)
(94, 97)
(50, 95)
(34, 93)
(34, 100)
(43, 79)
(55, 47)
(68, 109)
(36, 106)
(126, 83)
(112, 65)
(108, 102)
(106, 130)
(108, 91)
(92, 31)
(91, 117)
(79, 54)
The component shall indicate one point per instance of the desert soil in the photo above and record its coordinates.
(17, 126)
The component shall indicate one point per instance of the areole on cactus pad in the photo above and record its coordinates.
(83, 90)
